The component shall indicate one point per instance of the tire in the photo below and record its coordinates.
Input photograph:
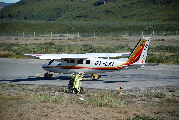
(75, 90)
(81, 90)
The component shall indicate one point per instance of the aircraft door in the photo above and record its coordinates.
(88, 65)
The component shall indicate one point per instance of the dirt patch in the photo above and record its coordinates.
(53, 102)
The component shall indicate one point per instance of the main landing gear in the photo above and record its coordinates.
(75, 82)
(95, 76)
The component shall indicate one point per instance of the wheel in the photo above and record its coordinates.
(75, 90)
(81, 89)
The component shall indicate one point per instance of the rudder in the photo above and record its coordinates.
(139, 53)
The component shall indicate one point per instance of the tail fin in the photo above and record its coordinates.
(138, 55)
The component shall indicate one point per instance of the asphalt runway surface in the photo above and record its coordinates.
(29, 71)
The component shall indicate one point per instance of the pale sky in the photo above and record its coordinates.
(9, 1)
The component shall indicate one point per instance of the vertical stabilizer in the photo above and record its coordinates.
(139, 53)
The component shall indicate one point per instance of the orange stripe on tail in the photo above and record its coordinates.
(136, 53)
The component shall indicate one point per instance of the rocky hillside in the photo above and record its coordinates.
(1, 6)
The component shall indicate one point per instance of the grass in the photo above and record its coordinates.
(53, 102)
(160, 95)
(104, 99)
(167, 54)
(85, 28)
(138, 117)
(174, 113)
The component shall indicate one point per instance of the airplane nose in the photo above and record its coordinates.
(44, 65)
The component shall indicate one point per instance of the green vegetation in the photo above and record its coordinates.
(138, 117)
(174, 113)
(89, 16)
(158, 54)
(104, 99)
(165, 54)
(50, 47)
(85, 28)
(93, 10)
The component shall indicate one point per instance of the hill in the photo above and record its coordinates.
(94, 10)
(1, 6)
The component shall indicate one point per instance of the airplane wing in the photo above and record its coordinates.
(56, 56)
(80, 56)
(110, 54)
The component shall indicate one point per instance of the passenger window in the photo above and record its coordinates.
(80, 61)
(72, 61)
(87, 61)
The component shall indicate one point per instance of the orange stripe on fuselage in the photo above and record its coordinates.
(65, 67)
(79, 67)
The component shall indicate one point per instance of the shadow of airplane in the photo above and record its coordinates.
(114, 81)
(34, 78)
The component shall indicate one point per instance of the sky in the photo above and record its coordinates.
(9, 1)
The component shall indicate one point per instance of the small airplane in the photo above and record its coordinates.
(93, 63)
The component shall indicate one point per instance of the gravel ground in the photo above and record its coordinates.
(29, 71)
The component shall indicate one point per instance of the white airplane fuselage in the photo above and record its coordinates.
(87, 66)
(92, 63)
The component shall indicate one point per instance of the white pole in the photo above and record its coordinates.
(23, 34)
(126, 33)
(51, 34)
(176, 32)
(67, 34)
(34, 34)
(78, 34)
(142, 33)
(153, 32)
(94, 34)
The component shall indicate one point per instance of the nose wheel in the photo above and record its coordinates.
(48, 75)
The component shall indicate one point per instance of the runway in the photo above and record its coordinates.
(29, 71)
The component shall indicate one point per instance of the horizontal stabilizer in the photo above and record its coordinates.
(135, 66)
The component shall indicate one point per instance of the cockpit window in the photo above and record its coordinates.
(50, 62)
